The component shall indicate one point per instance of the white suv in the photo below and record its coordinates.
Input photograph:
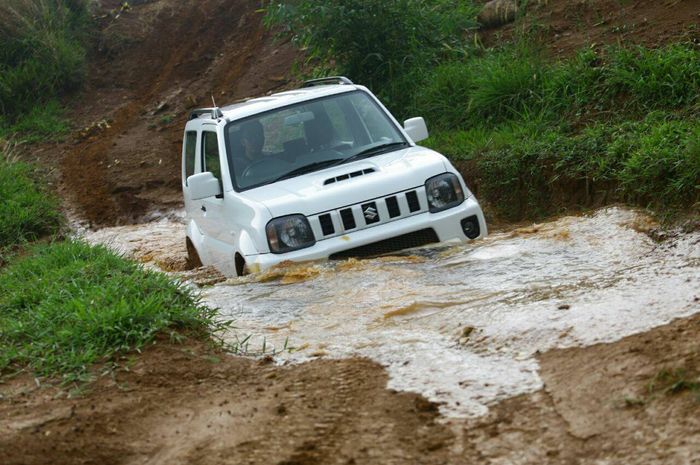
(324, 171)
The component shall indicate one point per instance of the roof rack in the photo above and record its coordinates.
(327, 80)
(215, 113)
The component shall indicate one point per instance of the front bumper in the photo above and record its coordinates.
(446, 225)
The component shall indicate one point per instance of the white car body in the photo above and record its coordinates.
(228, 231)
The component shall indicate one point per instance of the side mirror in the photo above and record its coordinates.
(416, 129)
(203, 185)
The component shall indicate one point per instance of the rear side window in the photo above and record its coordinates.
(190, 153)
(210, 155)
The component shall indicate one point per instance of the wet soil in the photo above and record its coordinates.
(189, 403)
(608, 403)
(566, 26)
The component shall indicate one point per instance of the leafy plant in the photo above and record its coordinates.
(385, 45)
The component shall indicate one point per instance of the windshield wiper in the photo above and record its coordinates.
(371, 151)
(308, 168)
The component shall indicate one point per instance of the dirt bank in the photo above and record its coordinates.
(566, 26)
(151, 65)
(189, 404)
(608, 403)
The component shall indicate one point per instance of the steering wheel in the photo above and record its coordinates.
(250, 169)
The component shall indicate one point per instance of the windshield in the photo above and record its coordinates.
(309, 136)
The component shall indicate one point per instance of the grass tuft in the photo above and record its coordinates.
(674, 381)
(27, 211)
(67, 305)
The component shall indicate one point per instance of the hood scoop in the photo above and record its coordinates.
(343, 177)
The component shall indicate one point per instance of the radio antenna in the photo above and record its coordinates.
(213, 101)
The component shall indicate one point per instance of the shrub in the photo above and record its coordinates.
(530, 170)
(663, 163)
(385, 45)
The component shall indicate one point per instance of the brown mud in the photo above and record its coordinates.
(153, 64)
(189, 403)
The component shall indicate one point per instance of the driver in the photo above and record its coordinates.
(253, 140)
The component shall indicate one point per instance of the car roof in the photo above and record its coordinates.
(270, 102)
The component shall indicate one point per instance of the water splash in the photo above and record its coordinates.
(459, 324)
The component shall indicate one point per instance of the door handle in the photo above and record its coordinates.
(204, 208)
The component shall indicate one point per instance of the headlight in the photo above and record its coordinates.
(444, 191)
(289, 233)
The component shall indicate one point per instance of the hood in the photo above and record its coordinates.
(308, 194)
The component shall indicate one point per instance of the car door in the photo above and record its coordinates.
(212, 223)
(190, 166)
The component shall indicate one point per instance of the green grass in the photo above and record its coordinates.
(671, 381)
(27, 210)
(41, 123)
(67, 305)
(386, 46)
(620, 124)
(514, 84)
(530, 170)
(42, 58)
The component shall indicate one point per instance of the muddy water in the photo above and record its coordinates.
(460, 324)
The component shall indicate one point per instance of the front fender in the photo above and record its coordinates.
(246, 244)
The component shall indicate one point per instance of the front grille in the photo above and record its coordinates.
(392, 205)
(368, 213)
(405, 241)
(326, 224)
(412, 199)
(348, 219)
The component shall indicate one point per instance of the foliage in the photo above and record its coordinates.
(27, 210)
(41, 123)
(384, 45)
(67, 305)
(514, 84)
(529, 170)
(482, 91)
(43, 52)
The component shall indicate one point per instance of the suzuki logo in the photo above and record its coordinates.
(370, 213)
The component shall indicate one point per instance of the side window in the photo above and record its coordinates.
(190, 153)
(210, 155)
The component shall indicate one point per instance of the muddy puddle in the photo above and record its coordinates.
(460, 324)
